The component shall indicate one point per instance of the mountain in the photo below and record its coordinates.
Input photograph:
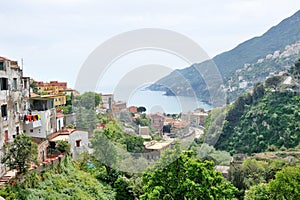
(271, 122)
(276, 39)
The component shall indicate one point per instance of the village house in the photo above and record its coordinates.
(14, 101)
(119, 106)
(58, 99)
(78, 140)
(154, 148)
(55, 90)
(54, 87)
(157, 121)
(107, 101)
(196, 118)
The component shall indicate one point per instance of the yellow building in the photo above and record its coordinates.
(59, 99)
(52, 88)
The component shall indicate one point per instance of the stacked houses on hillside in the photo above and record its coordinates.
(35, 115)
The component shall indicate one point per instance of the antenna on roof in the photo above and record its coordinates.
(22, 63)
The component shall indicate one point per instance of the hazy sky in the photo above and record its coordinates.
(54, 37)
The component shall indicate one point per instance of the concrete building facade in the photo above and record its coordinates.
(14, 101)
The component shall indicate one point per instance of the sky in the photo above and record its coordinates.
(55, 37)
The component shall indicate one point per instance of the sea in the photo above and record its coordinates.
(157, 101)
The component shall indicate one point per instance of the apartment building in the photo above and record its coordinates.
(14, 101)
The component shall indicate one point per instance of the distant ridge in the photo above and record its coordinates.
(276, 38)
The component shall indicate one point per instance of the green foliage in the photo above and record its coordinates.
(214, 125)
(86, 120)
(286, 185)
(63, 146)
(258, 91)
(207, 152)
(134, 144)
(258, 192)
(34, 88)
(89, 100)
(272, 121)
(186, 178)
(273, 82)
(141, 109)
(123, 189)
(20, 153)
(143, 120)
(253, 172)
(68, 109)
(104, 149)
(71, 183)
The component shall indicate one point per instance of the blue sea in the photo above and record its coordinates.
(156, 101)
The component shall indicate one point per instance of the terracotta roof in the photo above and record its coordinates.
(3, 58)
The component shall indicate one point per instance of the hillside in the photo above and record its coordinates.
(248, 53)
(267, 118)
(272, 122)
(65, 182)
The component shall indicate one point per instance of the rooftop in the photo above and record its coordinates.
(154, 145)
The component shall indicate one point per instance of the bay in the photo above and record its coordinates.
(157, 101)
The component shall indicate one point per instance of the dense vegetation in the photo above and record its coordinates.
(286, 185)
(253, 126)
(186, 178)
(20, 154)
(257, 170)
(65, 182)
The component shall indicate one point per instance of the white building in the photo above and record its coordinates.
(41, 122)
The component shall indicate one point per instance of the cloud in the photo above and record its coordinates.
(68, 30)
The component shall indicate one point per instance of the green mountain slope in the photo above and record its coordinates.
(186, 81)
(65, 182)
(273, 120)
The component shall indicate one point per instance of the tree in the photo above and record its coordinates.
(286, 184)
(258, 192)
(141, 109)
(63, 146)
(186, 178)
(20, 153)
(258, 91)
(134, 144)
(90, 100)
(123, 189)
(34, 88)
(273, 82)
(295, 70)
(104, 150)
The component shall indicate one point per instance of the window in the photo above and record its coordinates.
(17, 130)
(6, 136)
(4, 111)
(16, 107)
(25, 84)
(31, 130)
(2, 66)
(15, 84)
(78, 143)
(3, 84)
